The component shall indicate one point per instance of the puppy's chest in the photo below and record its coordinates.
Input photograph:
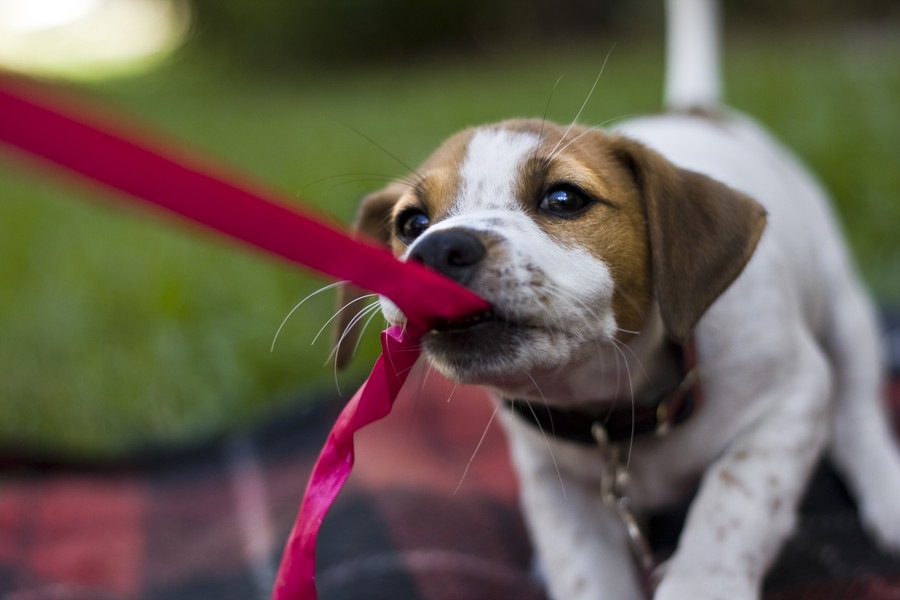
(631, 469)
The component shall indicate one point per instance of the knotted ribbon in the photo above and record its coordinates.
(35, 121)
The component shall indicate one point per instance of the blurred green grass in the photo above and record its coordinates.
(118, 332)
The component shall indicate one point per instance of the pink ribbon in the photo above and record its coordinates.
(77, 141)
(296, 576)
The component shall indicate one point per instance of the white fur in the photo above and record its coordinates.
(493, 156)
(792, 366)
(789, 353)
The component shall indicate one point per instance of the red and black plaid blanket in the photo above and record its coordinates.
(425, 517)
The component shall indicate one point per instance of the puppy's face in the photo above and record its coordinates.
(550, 231)
(566, 233)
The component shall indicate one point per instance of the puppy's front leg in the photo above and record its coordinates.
(747, 501)
(581, 542)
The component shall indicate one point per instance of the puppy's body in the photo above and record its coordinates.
(597, 250)
(790, 360)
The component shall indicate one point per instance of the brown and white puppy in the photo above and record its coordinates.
(599, 249)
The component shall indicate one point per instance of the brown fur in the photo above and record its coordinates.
(373, 220)
(702, 233)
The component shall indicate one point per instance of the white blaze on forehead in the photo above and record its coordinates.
(493, 161)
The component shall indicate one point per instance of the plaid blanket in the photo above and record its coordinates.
(430, 513)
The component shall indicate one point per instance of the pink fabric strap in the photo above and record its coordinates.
(296, 576)
(77, 141)
(191, 188)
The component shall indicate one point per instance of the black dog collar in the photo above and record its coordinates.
(669, 410)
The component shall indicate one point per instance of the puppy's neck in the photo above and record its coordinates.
(633, 369)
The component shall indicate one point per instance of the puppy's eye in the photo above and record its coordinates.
(564, 201)
(411, 223)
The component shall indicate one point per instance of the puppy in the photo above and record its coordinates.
(611, 257)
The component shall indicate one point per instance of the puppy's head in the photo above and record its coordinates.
(573, 236)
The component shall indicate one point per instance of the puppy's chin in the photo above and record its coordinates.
(497, 353)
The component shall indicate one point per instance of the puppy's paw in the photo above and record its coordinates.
(700, 588)
(880, 515)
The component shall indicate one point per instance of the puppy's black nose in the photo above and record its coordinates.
(455, 253)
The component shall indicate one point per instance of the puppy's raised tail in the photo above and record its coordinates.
(693, 81)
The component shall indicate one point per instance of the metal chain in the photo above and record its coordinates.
(613, 488)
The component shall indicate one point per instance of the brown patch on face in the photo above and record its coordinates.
(433, 192)
(437, 184)
(613, 228)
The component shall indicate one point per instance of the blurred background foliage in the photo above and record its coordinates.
(351, 31)
(121, 334)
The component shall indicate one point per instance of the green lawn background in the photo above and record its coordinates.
(119, 332)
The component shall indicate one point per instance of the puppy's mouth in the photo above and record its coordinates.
(466, 345)
(483, 348)
(470, 324)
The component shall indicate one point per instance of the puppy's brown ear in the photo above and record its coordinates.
(373, 220)
(702, 233)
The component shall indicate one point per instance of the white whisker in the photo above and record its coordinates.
(296, 306)
(584, 133)
(562, 149)
(452, 392)
(562, 486)
(584, 104)
(339, 311)
(369, 310)
(372, 315)
(631, 395)
(544, 118)
(637, 359)
(372, 310)
(621, 330)
(477, 448)
(630, 300)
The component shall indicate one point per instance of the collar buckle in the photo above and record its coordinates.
(669, 408)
